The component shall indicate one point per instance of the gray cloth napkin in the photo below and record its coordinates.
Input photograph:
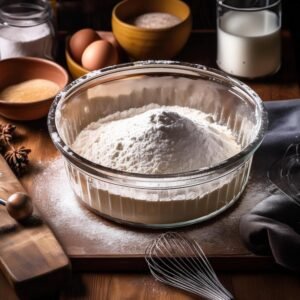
(273, 226)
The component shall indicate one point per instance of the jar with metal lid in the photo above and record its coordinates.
(26, 29)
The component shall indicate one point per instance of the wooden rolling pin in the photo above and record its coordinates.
(31, 258)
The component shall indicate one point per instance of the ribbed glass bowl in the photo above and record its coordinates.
(158, 201)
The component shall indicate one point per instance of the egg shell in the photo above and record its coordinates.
(98, 55)
(109, 36)
(80, 40)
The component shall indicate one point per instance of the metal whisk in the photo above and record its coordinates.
(285, 172)
(181, 262)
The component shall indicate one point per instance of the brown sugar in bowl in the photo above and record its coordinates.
(19, 69)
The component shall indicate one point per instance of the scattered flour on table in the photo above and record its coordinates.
(57, 203)
(156, 140)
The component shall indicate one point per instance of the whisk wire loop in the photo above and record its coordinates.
(181, 262)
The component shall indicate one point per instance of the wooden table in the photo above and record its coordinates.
(254, 285)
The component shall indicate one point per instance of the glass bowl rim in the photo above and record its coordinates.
(99, 170)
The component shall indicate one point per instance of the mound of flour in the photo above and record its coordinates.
(156, 140)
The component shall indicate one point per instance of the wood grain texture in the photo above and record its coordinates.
(30, 256)
(243, 286)
(117, 286)
(102, 245)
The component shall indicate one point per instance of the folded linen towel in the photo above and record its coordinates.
(273, 226)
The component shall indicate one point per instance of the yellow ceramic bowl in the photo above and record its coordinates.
(145, 43)
(75, 69)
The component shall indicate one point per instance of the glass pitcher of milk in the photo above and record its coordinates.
(248, 37)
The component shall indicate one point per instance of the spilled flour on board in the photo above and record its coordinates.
(75, 226)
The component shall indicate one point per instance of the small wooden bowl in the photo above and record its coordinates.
(145, 43)
(18, 69)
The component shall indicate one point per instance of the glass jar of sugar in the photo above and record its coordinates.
(26, 29)
(249, 43)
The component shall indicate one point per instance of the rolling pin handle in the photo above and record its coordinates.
(19, 206)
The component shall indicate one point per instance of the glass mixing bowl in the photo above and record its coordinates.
(158, 201)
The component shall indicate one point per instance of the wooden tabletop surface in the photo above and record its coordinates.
(254, 285)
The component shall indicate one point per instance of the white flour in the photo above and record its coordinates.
(68, 218)
(156, 140)
(26, 41)
(155, 20)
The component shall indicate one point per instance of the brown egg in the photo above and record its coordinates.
(80, 40)
(98, 55)
(109, 36)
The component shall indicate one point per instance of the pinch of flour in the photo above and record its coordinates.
(60, 208)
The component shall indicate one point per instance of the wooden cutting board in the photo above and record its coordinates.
(31, 258)
(93, 243)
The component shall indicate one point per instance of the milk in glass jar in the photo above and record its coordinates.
(248, 32)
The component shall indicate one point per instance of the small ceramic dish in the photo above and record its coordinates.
(19, 69)
(151, 43)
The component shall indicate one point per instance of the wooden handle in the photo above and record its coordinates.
(31, 258)
(19, 206)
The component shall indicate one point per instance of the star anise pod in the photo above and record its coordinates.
(6, 134)
(17, 159)
(9, 128)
